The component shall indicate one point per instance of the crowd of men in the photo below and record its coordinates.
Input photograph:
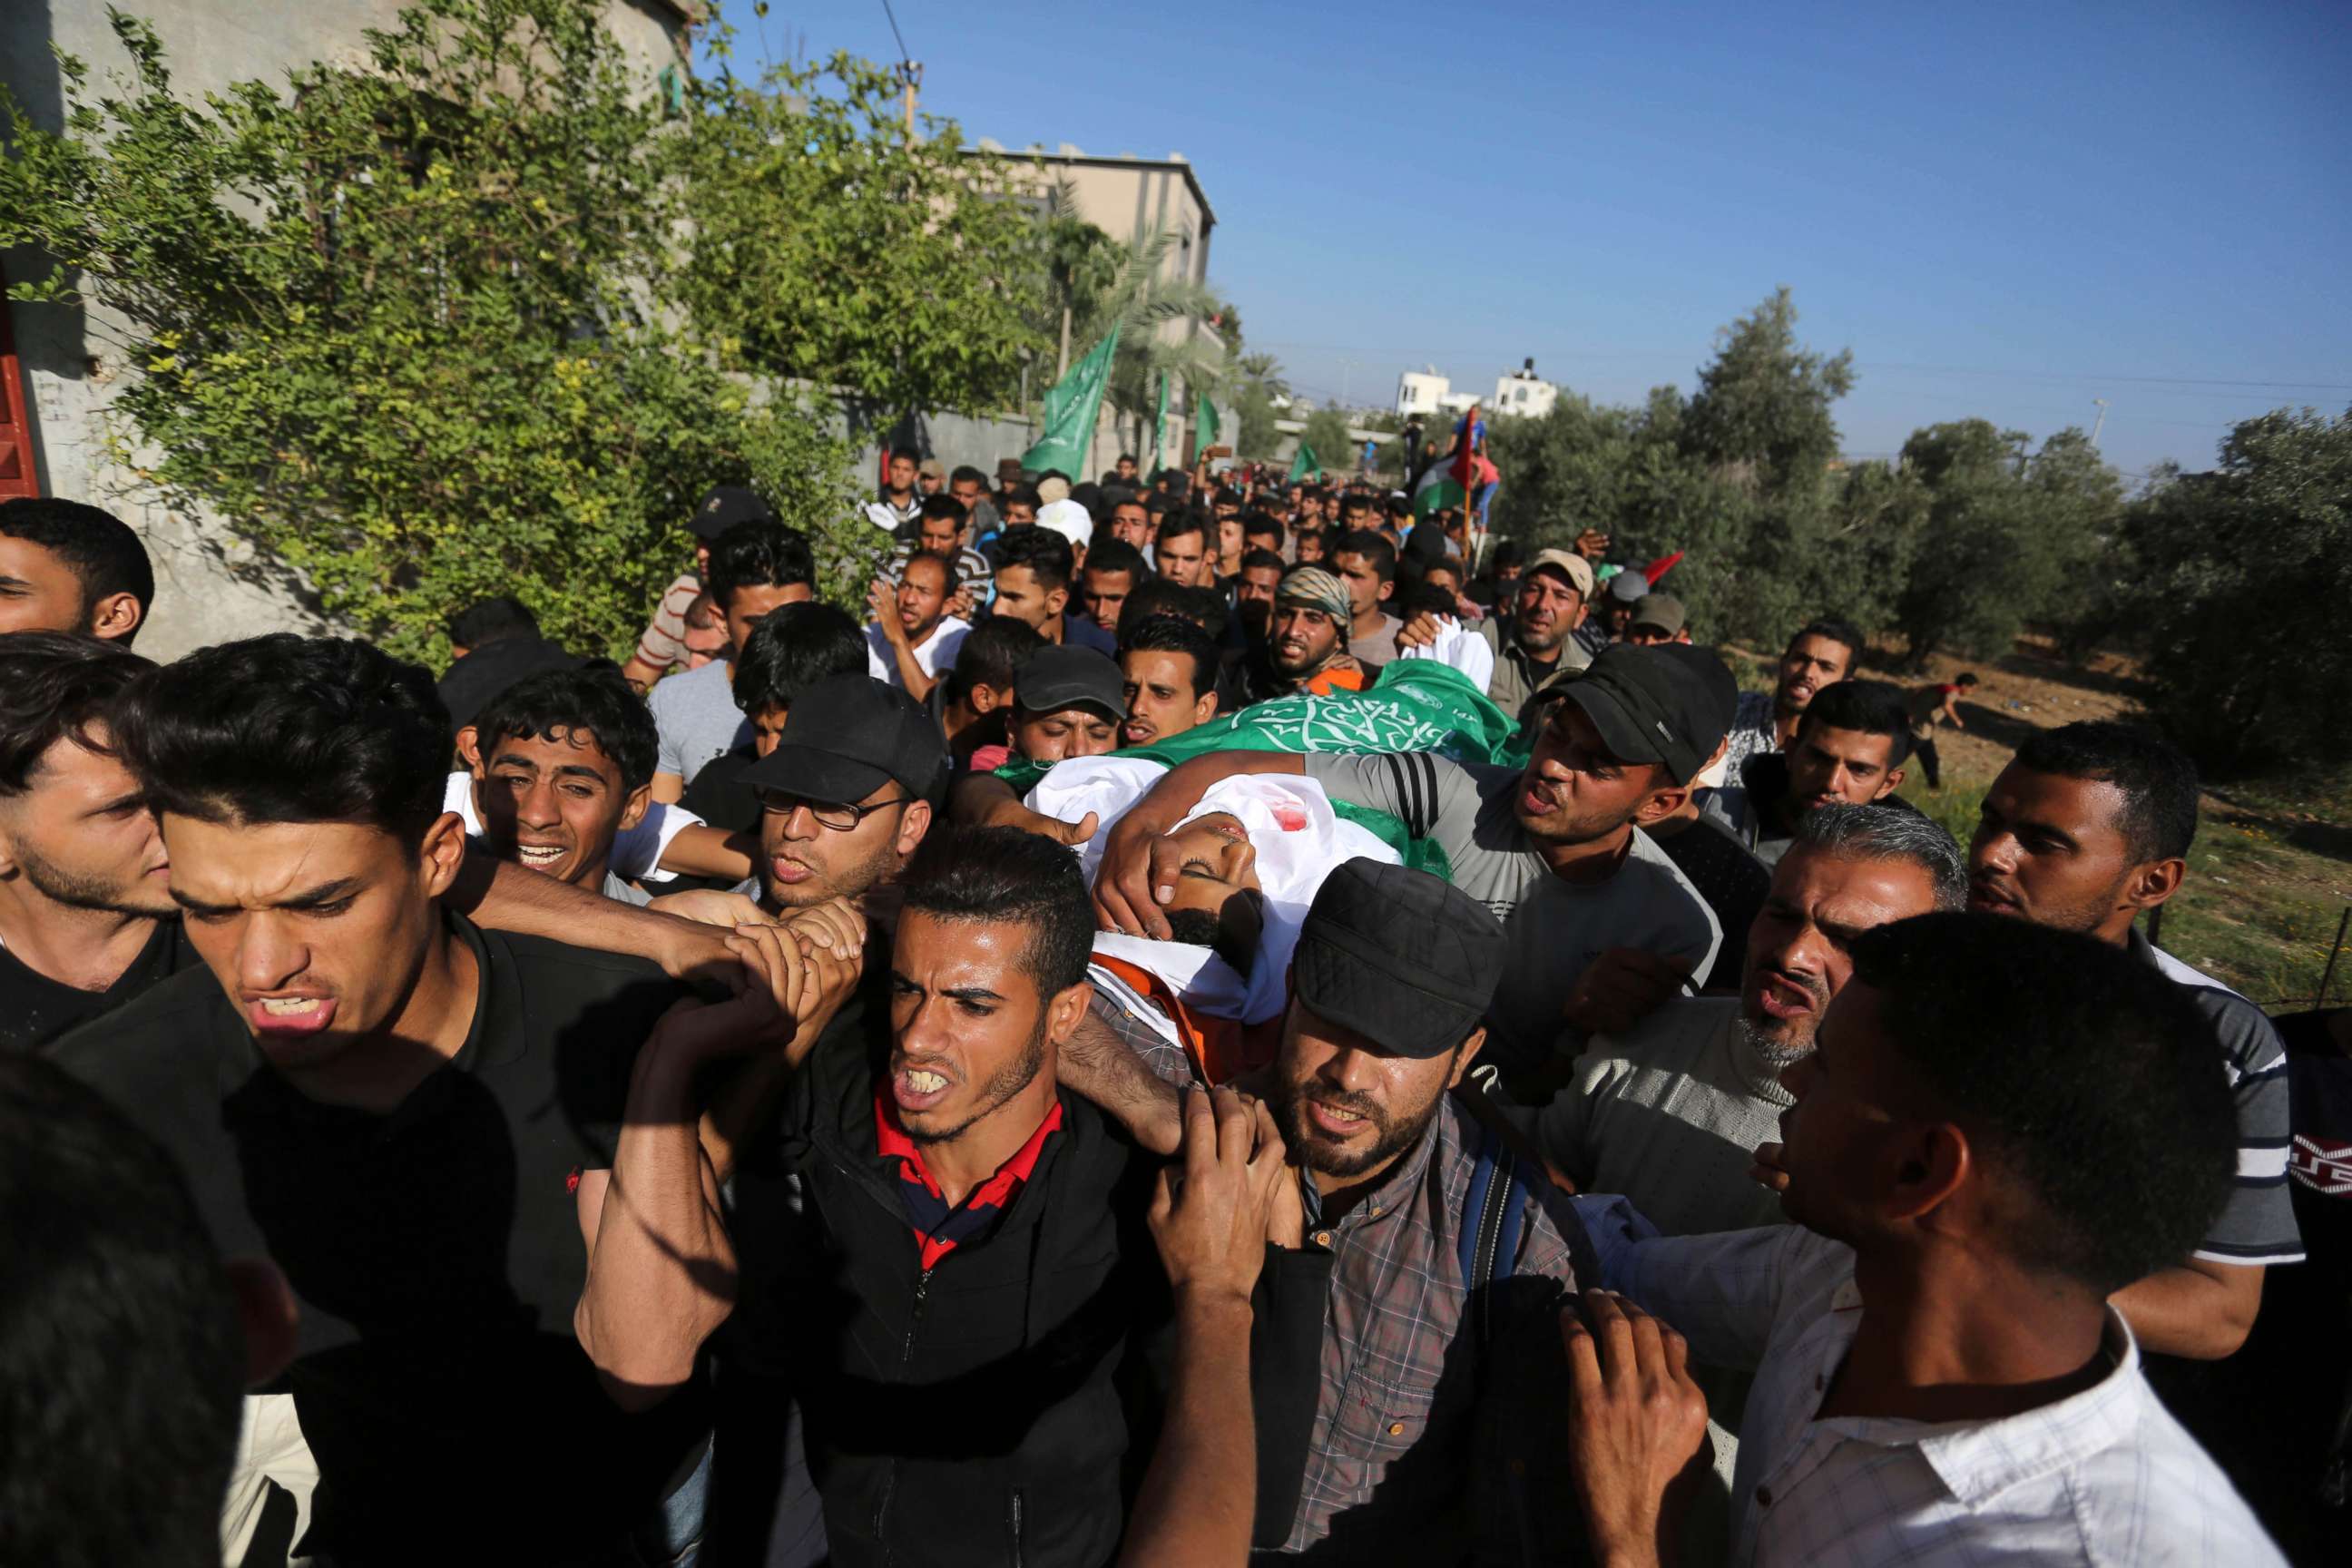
(1213, 1023)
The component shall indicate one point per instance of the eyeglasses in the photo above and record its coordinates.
(826, 814)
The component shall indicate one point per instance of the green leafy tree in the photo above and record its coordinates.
(415, 328)
(2243, 575)
(1327, 433)
(1257, 386)
(1762, 408)
(825, 243)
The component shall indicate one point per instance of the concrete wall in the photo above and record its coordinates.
(210, 585)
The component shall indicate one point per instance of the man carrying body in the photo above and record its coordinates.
(1032, 585)
(754, 568)
(68, 567)
(1850, 746)
(386, 1101)
(912, 636)
(1535, 642)
(1168, 672)
(1600, 924)
(1305, 640)
(2086, 828)
(954, 1309)
(1067, 703)
(1972, 1170)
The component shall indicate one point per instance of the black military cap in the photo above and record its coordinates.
(725, 507)
(847, 736)
(1404, 958)
(1651, 704)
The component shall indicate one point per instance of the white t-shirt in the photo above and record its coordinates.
(637, 851)
(933, 654)
(1458, 646)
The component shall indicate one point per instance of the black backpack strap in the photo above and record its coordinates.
(1494, 1217)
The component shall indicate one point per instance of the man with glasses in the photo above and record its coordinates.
(846, 794)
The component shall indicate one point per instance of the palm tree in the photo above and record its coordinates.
(1100, 283)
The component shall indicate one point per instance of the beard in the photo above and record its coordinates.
(1009, 1080)
(852, 884)
(78, 890)
(1777, 1051)
(1390, 1137)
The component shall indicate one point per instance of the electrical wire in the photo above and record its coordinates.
(906, 56)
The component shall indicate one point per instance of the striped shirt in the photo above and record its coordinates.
(2104, 1476)
(663, 645)
(2257, 1226)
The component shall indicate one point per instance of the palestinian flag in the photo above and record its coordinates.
(1455, 483)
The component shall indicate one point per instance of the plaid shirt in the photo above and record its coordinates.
(2102, 1475)
(1430, 1431)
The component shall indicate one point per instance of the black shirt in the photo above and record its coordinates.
(1731, 880)
(35, 1010)
(719, 794)
(436, 1252)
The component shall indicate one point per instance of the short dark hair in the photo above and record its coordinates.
(593, 702)
(1508, 553)
(1421, 596)
(1045, 552)
(943, 505)
(1966, 677)
(946, 563)
(1355, 501)
(1025, 495)
(758, 553)
(1835, 631)
(791, 649)
(963, 472)
(1173, 634)
(994, 655)
(2085, 1080)
(97, 547)
(1178, 524)
(912, 454)
(1126, 458)
(1263, 525)
(1120, 496)
(969, 875)
(1871, 707)
(1116, 555)
(1373, 547)
(55, 686)
(1262, 559)
(487, 621)
(1208, 606)
(2158, 781)
(290, 729)
(1158, 597)
(122, 1357)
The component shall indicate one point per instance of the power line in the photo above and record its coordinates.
(904, 52)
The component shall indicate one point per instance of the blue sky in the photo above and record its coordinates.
(2003, 211)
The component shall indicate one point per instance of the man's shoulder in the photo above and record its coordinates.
(1673, 1037)
(172, 1033)
(2248, 1039)
(553, 974)
(682, 690)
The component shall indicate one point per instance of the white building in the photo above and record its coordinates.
(1522, 391)
(1426, 393)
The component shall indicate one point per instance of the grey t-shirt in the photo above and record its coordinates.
(697, 716)
(1554, 928)
(1380, 648)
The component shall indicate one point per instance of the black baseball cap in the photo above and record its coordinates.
(847, 737)
(725, 507)
(1068, 677)
(1404, 958)
(1651, 704)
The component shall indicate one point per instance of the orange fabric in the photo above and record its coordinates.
(1221, 1049)
(1332, 681)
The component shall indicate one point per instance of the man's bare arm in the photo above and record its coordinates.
(2201, 1311)
(506, 897)
(703, 851)
(1096, 1063)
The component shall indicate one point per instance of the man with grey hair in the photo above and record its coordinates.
(1669, 1112)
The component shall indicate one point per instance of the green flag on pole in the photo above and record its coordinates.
(1160, 431)
(1205, 434)
(1072, 404)
(1304, 465)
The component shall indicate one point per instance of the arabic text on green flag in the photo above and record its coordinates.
(1204, 433)
(1072, 404)
(1304, 465)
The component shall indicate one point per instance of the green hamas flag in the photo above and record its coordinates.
(1416, 705)
(1160, 431)
(1303, 464)
(1071, 406)
(1204, 434)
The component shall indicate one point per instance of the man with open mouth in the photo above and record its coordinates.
(389, 1101)
(567, 765)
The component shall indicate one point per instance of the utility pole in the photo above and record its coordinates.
(910, 75)
(2102, 422)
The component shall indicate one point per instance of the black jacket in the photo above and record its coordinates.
(973, 1412)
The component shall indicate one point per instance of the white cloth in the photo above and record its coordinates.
(1298, 839)
(637, 851)
(1460, 647)
(1069, 520)
(881, 516)
(2106, 1476)
(933, 654)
